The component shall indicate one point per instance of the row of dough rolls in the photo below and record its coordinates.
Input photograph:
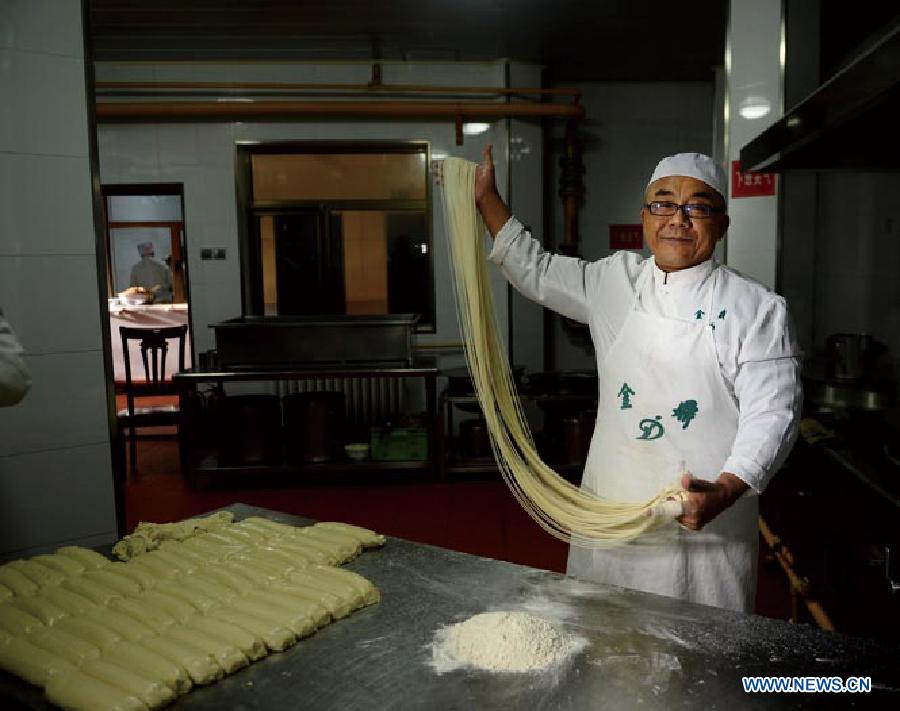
(97, 634)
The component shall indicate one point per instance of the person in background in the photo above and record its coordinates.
(151, 275)
(699, 372)
(15, 379)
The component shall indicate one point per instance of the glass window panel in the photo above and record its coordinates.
(124, 252)
(339, 176)
(144, 208)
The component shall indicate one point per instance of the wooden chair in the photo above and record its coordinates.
(154, 345)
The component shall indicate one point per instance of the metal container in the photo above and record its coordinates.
(284, 341)
(852, 356)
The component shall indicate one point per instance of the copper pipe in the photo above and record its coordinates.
(799, 586)
(575, 94)
(262, 110)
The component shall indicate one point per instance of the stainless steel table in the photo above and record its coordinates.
(644, 652)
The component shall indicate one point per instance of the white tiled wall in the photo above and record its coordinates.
(623, 137)
(201, 156)
(754, 74)
(55, 465)
(858, 257)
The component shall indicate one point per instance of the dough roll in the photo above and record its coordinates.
(40, 607)
(40, 575)
(335, 553)
(152, 692)
(366, 589)
(172, 606)
(294, 546)
(91, 589)
(276, 636)
(337, 607)
(68, 646)
(17, 581)
(142, 613)
(30, 662)
(60, 563)
(146, 661)
(186, 553)
(348, 546)
(120, 623)
(76, 691)
(159, 569)
(180, 563)
(124, 585)
(236, 583)
(317, 612)
(200, 665)
(300, 624)
(199, 601)
(343, 589)
(71, 602)
(96, 634)
(251, 645)
(206, 587)
(227, 655)
(17, 622)
(366, 537)
(88, 558)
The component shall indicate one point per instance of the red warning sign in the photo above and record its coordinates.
(626, 237)
(750, 183)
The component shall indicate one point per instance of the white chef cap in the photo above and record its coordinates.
(692, 165)
(145, 249)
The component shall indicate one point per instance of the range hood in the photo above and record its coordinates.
(850, 122)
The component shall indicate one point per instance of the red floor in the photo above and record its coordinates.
(480, 517)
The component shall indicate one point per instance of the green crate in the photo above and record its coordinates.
(398, 444)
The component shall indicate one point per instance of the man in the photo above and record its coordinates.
(15, 380)
(151, 275)
(699, 372)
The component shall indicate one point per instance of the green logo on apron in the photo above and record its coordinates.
(625, 393)
(722, 313)
(651, 429)
(685, 412)
(699, 314)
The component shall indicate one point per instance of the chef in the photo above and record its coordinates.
(15, 379)
(699, 380)
(151, 275)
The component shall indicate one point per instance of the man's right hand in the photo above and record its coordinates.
(485, 183)
(493, 210)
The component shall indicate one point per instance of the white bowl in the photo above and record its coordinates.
(358, 452)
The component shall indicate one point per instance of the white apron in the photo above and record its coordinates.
(664, 407)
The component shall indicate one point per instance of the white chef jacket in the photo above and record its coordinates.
(754, 338)
(14, 377)
(149, 273)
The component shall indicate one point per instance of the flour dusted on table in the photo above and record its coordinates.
(503, 642)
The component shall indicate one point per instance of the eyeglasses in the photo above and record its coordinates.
(691, 210)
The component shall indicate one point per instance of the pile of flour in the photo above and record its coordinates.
(503, 642)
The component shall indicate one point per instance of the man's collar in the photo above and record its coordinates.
(683, 277)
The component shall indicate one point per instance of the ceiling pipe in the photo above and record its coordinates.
(164, 87)
(238, 110)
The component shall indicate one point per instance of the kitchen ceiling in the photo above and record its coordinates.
(577, 40)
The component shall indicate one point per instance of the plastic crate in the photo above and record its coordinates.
(398, 444)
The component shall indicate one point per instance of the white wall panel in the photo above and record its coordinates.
(45, 296)
(52, 121)
(55, 497)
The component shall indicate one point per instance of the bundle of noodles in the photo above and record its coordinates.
(562, 509)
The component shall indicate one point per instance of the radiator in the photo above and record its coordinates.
(368, 401)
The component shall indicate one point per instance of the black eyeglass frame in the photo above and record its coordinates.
(684, 209)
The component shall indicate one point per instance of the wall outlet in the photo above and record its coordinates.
(219, 253)
(206, 253)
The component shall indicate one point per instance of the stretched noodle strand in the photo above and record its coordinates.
(558, 506)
